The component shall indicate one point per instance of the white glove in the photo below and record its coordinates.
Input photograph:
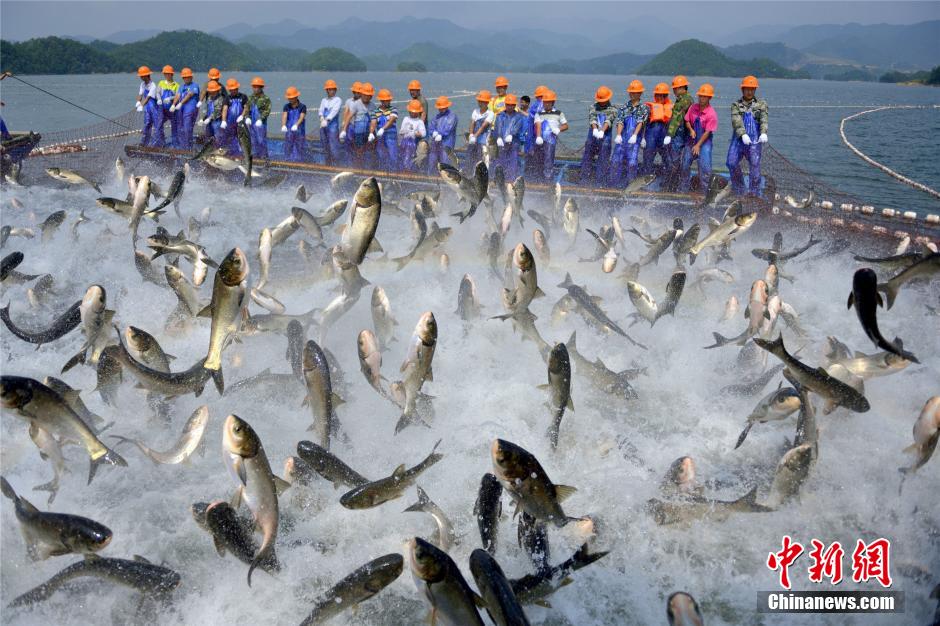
(599, 133)
(499, 142)
(539, 141)
(618, 140)
(284, 129)
(224, 124)
(643, 142)
(160, 101)
(258, 123)
(140, 107)
(667, 140)
(632, 140)
(380, 132)
(323, 122)
(472, 139)
(172, 108)
(507, 139)
(239, 119)
(438, 137)
(745, 139)
(371, 137)
(294, 128)
(762, 138)
(199, 104)
(342, 135)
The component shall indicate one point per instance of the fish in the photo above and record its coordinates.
(755, 385)
(230, 533)
(265, 247)
(468, 304)
(39, 404)
(472, 190)
(805, 203)
(146, 269)
(525, 281)
(248, 464)
(680, 478)
(718, 189)
(926, 434)
(60, 327)
(162, 242)
(693, 508)
(658, 246)
(170, 384)
(267, 301)
(175, 193)
(866, 299)
(380, 491)
(725, 232)
(777, 405)
(638, 183)
(731, 309)
(416, 368)
(894, 262)
(363, 221)
(559, 389)
(867, 366)
(419, 221)
(533, 539)
(527, 483)
(501, 603)
(792, 471)
(81, 219)
(370, 360)
(71, 177)
(776, 256)
(444, 537)
(140, 200)
(534, 588)
(570, 218)
(244, 142)
(119, 169)
(304, 219)
(540, 241)
(51, 224)
(109, 374)
(188, 303)
(589, 304)
(542, 220)
(96, 326)
(338, 307)
(363, 583)
(73, 399)
(141, 575)
(600, 376)
(832, 247)
(836, 392)
(646, 305)
(438, 578)
(926, 268)
(332, 213)
(301, 195)
(329, 466)
(487, 509)
(684, 243)
(422, 150)
(228, 295)
(55, 534)
(682, 609)
(183, 449)
(604, 243)
(756, 312)
(9, 263)
(320, 396)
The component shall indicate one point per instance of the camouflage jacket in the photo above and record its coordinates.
(679, 109)
(758, 109)
(609, 112)
(640, 113)
(262, 102)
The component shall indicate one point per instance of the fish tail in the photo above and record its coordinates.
(75, 360)
(584, 557)
(422, 504)
(266, 558)
(217, 379)
(890, 291)
(743, 435)
(110, 457)
(7, 489)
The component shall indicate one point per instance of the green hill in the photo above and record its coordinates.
(53, 55)
(622, 63)
(332, 60)
(701, 59)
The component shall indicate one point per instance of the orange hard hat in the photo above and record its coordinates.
(330, 84)
(706, 90)
(356, 87)
(484, 96)
(143, 70)
(635, 86)
(186, 73)
(502, 81)
(168, 69)
(231, 83)
(511, 99)
(548, 95)
(214, 74)
(367, 89)
(414, 106)
(603, 94)
(213, 86)
(442, 103)
(680, 81)
(291, 92)
(414, 85)
(749, 81)
(385, 94)
(540, 91)
(661, 89)
(257, 81)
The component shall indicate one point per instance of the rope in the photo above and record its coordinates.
(870, 161)
(77, 106)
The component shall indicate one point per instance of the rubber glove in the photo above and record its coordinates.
(323, 122)
(762, 138)
(472, 139)
(224, 124)
(294, 128)
(140, 107)
(342, 135)
(745, 139)
(507, 139)
(160, 101)
(283, 129)
(380, 132)
(667, 140)
(539, 141)
(643, 142)
(499, 142)
(632, 140)
(259, 123)
(371, 137)
(172, 108)
(618, 140)
(239, 119)
(199, 104)
(438, 137)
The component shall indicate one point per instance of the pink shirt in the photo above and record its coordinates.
(706, 117)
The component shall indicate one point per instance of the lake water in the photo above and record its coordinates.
(804, 117)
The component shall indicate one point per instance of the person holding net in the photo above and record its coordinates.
(749, 125)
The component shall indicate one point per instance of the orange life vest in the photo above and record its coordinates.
(660, 111)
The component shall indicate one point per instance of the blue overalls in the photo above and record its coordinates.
(445, 124)
(508, 156)
(704, 160)
(258, 134)
(212, 128)
(544, 155)
(188, 115)
(230, 133)
(295, 141)
(737, 151)
(596, 172)
(329, 137)
(475, 150)
(152, 118)
(626, 156)
(357, 134)
(167, 94)
(386, 146)
(655, 133)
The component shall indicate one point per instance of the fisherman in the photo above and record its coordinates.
(216, 75)
(384, 131)
(595, 161)
(498, 103)
(215, 103)
(538, 106)
(481, 123)
(147, 104)
(442, 131)
(660, 115)
(749, 122)
(329, 123)
(167, 89)
(356, 127)
(528, 124)
(355, 91)
(259, 108)
(510, 137)
(701, 122)
(631, 120)
(675, 133)
(412, 131)
(185, 104)
(414, 88)
(233, 114)
(293, 126)
(549, 123)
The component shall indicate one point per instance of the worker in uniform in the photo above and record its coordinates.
(659, 117)
(216, 75)
(329, 112)
(481, 123)
(595, 160)
(356, 129)
(147, 104)
(293, 125)
(167, 90)
(510, 136)
(749, 124)
(701, 122)
(259, 108)
(346, 146)
(233, 113)
(442, 133)
(185, 104)
(384, 132)
(631, 120)
(498, 102)
(411, 132)
(675, 137)
(414, 89)
(215, 104)
(549, 123)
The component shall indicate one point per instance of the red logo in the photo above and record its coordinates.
(869, 561)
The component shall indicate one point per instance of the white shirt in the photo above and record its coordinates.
(555, 119)
(329, 108)
(488, 116)
(149, 90)
(412, 127)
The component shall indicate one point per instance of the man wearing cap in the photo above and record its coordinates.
(414, 89)
(749, 124)
(660, 114)
(595, 160)
(498, 102)
(166, 94)
(215, 103)
(356, 129)
(329, 123)
(146, 103)
(412, 131)
(294, 126)
(675, 132)
(355, 91)
(383, 130)
(259, 108)
(701, 122)
(184, 104)
(481, 123)
(233, 113)
(549, 123)
(442, 133)
(510, 129)
(631, 119)
(213, 75)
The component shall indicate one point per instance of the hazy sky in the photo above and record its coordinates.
(35, 18)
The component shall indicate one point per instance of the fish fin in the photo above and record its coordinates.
(545, 604)
(766, 314)
(218, 380)
(743, 435)
(336, 400)
(747, 312)
(478, 600)
(430, 375)
(822, 371)
(545, 387)
(570, 404)
(236, 500)
(750, 497)
(7, 489)
(563, 492)
(908, 450)
(399, 471)
(280, 485)
(851, 301)
(539, 293)
(219, 545)
(891, 293)
(139, 559)
(75, 360)
(879, 299)
(205, 311)
(421, 504)
(110, 457)
(306, 400)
